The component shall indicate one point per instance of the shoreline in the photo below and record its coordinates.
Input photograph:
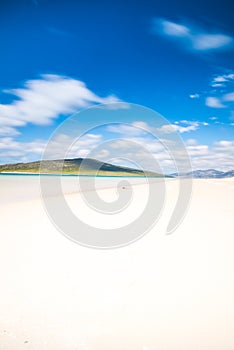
(82, 175)
(115, 176)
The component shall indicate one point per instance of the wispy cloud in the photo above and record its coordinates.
(133, 129)
(219, 155)
(228, 97)
(12, 150)
(220, 102)
(40, 101)
(8, 130)
(222, 80)
(139, 128)
(16, 151)
(214, 102)
(194, 96)
(220, 93)
(193, 38)
(170, 128)
(182, 126)
(80, 148)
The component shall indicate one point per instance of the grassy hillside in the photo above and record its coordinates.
(72, 166)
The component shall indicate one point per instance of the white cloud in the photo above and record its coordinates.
(8, 130)
(214, 102)
(156, 146)
(222, 80)
(66, 146)
(197, 150)
(139, 128)
(60, 147)
(194, 96)
(217, 85)
(170, 128)
(181, 126)
(229, 97)
(204, 41)
(141, 124)
(191, 142)
(227, 144)
(219, 156)
(103, 154)
(115, 104)
(175, 29)
(232, 116)
(40, 101)
(133, 129)
(219, 102)
(219, 95)
(15, 151)
(124, 129)
(196, 38)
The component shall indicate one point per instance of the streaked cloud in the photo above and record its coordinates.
(192, 38)
(170, 128)
(139, 128)
(221, 101)
(214, 102)
(194, 96)
(12, 150)
(182, 126)
(222, 80)
(17, 151)
(76, 148)
(8, 130)
(40, 101)
(134, 129)
(174, 29)
(220, 93)
(219, 155)
(228, 97)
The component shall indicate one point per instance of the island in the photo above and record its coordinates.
(76, 166)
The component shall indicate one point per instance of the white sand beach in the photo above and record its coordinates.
(172, 292)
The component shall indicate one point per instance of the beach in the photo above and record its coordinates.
(163, 292)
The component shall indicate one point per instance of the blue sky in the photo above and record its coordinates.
(176, 57)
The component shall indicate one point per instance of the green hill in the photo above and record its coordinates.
(73, 166)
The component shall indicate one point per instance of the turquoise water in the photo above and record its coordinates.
(73, 175)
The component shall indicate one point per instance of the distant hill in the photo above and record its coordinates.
(209, 174)
(72, 166)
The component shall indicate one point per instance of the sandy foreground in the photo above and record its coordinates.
(162, 292)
